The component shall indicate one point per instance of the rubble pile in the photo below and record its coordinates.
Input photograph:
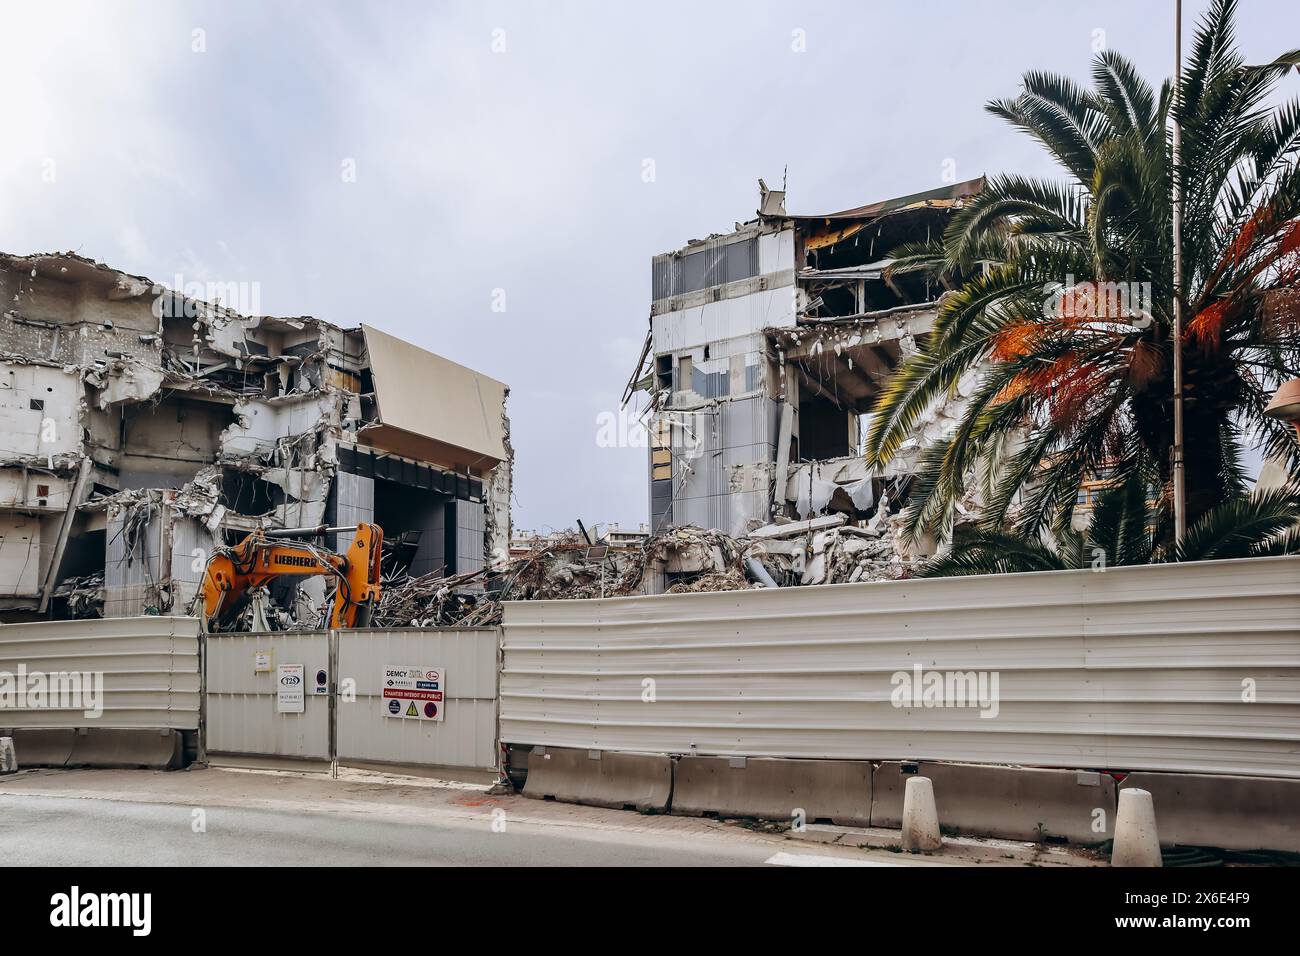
(83, 596)
(565, 567)
(728, 580)
(560, 568)
(824, 550)
(828, 550)
(432, 600)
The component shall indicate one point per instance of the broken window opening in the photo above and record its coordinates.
(416, 523)
(664, 372)
(247, 494)
(826, 429)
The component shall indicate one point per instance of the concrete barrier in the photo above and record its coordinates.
(516, 760)
(99, 747)
(601, 778)
(1229, 812)
(108, 747)
(44, 748)
(774, 789)
(1021, 803)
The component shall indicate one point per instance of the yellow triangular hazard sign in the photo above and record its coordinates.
(411, 711)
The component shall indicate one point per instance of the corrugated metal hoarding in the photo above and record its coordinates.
(1191, 668)
(244, 716)
(464, 736)
(147, 670)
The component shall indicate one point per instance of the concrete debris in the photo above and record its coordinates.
(727, 580)
(829, 550)
(83, 597)
(565, 566)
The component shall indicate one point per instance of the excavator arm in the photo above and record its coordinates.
(233, 574)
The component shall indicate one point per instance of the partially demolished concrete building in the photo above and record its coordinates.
(766, 351)
(141, 426)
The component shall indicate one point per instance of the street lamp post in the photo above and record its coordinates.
(1178, 464)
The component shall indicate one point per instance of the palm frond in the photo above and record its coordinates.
(986, 552)
(1240, 527)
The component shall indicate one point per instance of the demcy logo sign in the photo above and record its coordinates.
(415, 692)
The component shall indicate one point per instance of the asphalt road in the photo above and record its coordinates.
(40, 830)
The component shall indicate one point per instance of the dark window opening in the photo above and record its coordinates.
(664, 371)
(825, 429)
(247, 494)
(415, 528)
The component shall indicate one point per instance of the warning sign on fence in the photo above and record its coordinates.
(415, 692)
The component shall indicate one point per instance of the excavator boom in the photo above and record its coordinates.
(233, 574)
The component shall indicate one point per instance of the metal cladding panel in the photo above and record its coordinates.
(465, 737)
(242, 716)
(425, 394)
(722, 319)
(727, 485)
(1141, 668)
(149, 668)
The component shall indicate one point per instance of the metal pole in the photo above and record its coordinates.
(1179, 476)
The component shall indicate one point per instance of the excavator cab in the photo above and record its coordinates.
(235, 576)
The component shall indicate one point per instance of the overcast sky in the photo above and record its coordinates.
(398, 163)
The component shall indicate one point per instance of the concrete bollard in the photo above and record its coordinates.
(1136, 840)
(8, 756)
(920, 817)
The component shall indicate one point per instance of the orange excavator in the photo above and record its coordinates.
(237, 576)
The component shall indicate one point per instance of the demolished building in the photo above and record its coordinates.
(767, 349)
(142, 427)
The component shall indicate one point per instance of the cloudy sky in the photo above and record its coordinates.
(399, 163)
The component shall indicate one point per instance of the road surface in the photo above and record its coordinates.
(60, 831)
(212, 817)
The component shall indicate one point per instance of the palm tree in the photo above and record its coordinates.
(1073, 379)
(1126, 529)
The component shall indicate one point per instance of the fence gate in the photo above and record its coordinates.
(416, 698)
(265, 697)
(452, 725)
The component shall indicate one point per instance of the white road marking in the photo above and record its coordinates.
(807, 859)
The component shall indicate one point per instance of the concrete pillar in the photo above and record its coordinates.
(920, 817)
(8, 756)
(1136, 840)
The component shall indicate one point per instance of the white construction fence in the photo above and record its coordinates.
(1192, 668)
(121, 691)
